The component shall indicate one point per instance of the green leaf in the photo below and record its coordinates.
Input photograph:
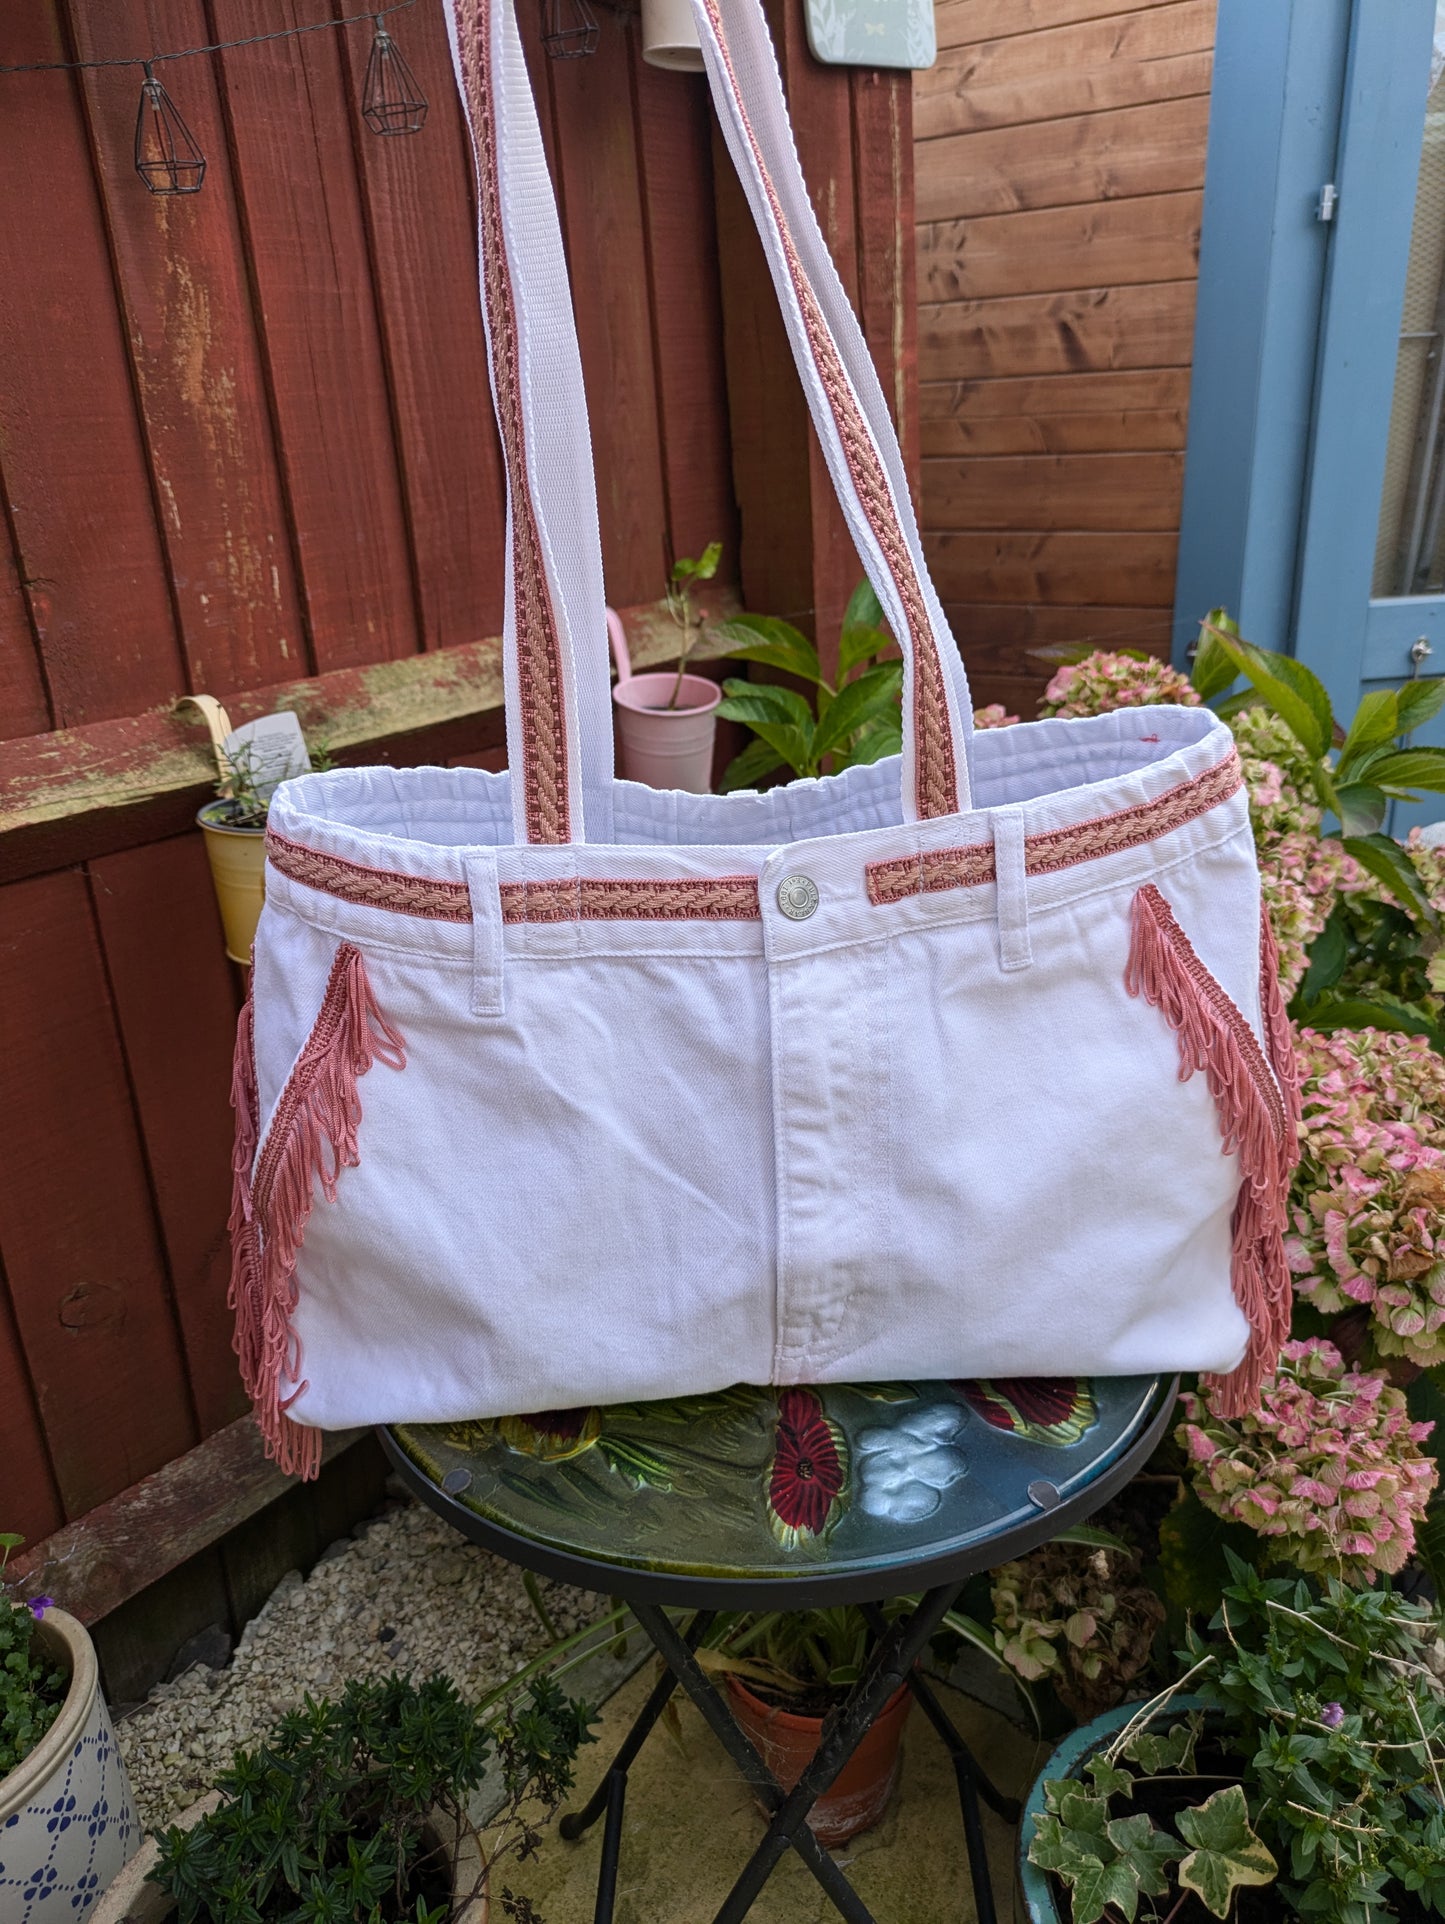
(777, 643)
(1156, 1751)
(858, 645)
(1108, 1778)
(864, 609)
(1412, 768)
(1226, 1853)
(1097, 1886)
(748, 768)
(1294, 692)
(1376, 1011)
(857, 704)
(1146, 1850)
(1360, 807)
(703, 569)
(9, 1540)
(880, 738)
(755, 701)
(790, 744)
(1390, 864)
(1328, 955)
(1212, 670)
(1377, 721)
(1419, 702)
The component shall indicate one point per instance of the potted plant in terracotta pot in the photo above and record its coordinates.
(784, 1671)
(667, 719)
(67, 1822)
(357, 1810)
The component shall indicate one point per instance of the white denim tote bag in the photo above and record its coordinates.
(559, 1090)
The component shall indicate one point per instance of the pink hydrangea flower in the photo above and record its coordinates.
(1103, 682)
(1328, 1470)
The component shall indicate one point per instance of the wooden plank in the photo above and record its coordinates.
(111, 1554)
(1095, 328)
(24, 709)
(77, 484)
(995, 637)
(1048, 491)
(887, 244)
(607, 255)
(1162, 52)
(1155, 149)
(31, 1502)
(180, 273)
(1109, 243)
(962, 22)
(1110, 570)
(421, 221)
(76, 1231)
(1134, 408)
(312, 279)
(67, 796)
(176, 1005)
(673, 114)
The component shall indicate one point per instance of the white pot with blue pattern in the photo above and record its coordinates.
(67, 1819)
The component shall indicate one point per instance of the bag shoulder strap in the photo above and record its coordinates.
(555, 670)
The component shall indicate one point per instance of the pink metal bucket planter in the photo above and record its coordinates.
(661, 746)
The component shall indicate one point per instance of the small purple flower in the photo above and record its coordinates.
(39, 1605)
(1332, 1716)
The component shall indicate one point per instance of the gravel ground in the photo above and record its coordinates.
(405, 1594)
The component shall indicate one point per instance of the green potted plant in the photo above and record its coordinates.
(355, 1811)
(1306, 1777)
(667, 719)
(67, 1822)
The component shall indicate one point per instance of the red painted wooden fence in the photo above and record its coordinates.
(246, 438)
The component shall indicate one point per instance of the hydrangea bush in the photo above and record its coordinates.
(1328, 1470)
(1330, 1473)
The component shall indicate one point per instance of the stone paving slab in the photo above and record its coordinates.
(691, 1823)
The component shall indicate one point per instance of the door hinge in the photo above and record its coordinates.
(1328, 201)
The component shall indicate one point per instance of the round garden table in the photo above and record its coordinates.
(789, 1499)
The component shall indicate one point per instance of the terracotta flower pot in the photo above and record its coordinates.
(859, 1794)
(67, 1822)
(132, 1899)
(238, 870)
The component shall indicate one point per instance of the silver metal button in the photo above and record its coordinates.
(797, 897)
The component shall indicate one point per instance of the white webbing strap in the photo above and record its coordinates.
(559, 710)
(845, 399)
(559, 728)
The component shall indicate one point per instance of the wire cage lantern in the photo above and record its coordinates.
(392, 102)
(569, 29)
(167, 156)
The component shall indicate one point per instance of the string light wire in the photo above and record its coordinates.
(217, 46)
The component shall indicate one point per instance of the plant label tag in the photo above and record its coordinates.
(267, 752)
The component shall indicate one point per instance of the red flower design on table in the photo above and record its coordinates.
(1046, 1409)
(808, 1470)
(552, 1435)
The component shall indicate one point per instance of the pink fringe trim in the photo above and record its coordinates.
(1279, 1033)
(312, 1138)
(1215, 1038)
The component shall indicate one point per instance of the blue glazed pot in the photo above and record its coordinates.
(1035, 1900)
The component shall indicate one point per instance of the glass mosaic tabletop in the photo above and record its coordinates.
(752, 1484)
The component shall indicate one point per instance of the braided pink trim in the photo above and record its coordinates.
(1058, 848)
(687, 898)
(935, 770)
(539, 652)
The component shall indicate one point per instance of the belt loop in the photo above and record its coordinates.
(1011, 876)
(481, 873)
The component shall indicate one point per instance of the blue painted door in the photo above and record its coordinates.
(1370, 581)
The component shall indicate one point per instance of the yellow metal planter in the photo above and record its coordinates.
(238, 869)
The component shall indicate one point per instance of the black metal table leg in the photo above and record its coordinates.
(577, 1821)
(614, 1785)
(972, 1780)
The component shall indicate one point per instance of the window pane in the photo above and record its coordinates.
(1410, 553)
